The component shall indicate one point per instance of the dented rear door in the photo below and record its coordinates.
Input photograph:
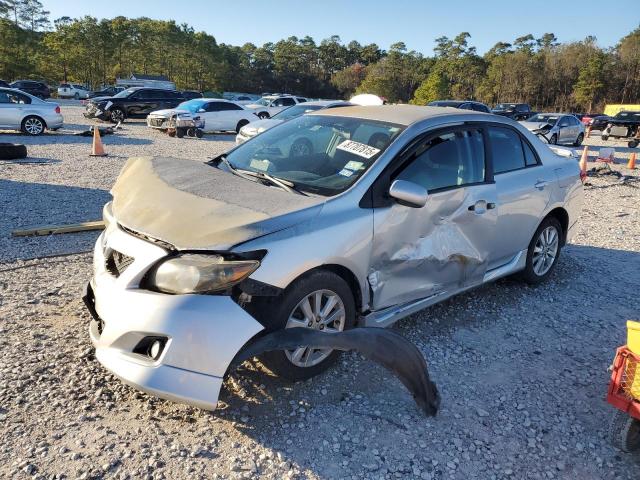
(445, 245)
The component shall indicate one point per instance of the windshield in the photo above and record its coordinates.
(263, 101)
(319, 154)
(192, 105)
(550, 119)
(296, 111)
(125, 93)
(505, 106)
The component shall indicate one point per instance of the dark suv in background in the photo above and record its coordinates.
(517, 111)
(137, 102)
(37, 89)
(463, 104)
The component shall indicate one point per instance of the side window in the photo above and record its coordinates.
(4, 98)
(287, 102)
(229, 106)
(18, 98)
(213, 107)
(521, 108)
(466, 106)
(564, 122)
(530, 158)
(506, 148)
(451, 159)
(301, 100)
(480, 108)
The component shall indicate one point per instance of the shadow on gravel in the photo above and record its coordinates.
(25, 204)
(30, 161)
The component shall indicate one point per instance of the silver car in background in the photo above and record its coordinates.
(393, 209)
(556, 128)
(29, 114)
(259, 126)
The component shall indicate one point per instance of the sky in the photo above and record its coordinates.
(417, 23)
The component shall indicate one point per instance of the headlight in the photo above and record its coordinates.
(248, 131)
(200, 273)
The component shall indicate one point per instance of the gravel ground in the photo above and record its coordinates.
(522, 371)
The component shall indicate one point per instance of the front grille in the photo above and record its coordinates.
(156, 122)
(116, 263)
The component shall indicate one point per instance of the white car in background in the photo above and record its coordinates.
(241, 98)
(73, 90)
(259, 126)
(27, 113)
(219, 115)
(268, 106)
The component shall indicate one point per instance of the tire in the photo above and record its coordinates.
(541, 249)
(604, 137)
(579, 140)
(302, 147)
(12, 151)
(288, 313)
(77, 96)
(116, 115)
(624, 432)
(180, 132)
(633, 143)
(553, 140)
(33, 126)
(263, 115)
(241, 124)
(191, 132)
(199, 133)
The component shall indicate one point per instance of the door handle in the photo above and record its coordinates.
(540, 184)
(481, 206)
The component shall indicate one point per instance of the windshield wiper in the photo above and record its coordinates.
(285, 185)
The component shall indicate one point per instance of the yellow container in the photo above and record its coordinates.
(633, 336)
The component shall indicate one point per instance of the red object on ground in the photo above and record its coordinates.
(622, 382)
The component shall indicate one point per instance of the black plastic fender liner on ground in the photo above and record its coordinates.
(389, 349)
(12, 151)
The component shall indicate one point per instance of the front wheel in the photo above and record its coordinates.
(553, 140)
(116, 115)
(263, 115)
(322, 301)
(241, 124)
(604, 137)
(543, 252)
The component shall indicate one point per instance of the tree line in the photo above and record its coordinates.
(540, 71)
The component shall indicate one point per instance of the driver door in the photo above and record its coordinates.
(445, 245)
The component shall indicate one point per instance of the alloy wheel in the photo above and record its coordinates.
(33, 126)
(545, 250)
(320, 310)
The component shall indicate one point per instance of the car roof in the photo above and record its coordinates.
(326, 103)
(398, 114)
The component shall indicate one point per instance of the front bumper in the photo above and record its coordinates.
(157, 122)
(92, 111)
(203, 332)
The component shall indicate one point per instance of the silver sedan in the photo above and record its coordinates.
(556, 128)
(31, 115)
(393, 208)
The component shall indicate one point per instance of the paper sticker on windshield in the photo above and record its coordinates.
(260, 164)
(355, 166)
(345, 173)
(357, 148)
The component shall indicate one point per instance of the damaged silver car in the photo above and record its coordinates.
(387, 210)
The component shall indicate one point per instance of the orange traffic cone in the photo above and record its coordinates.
(97, 150)
(632, 161)
(583, 162)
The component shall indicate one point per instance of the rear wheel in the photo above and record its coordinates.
(579, 140)
(543, 251)
(263, 115)
(76, 96)
(33, 125)
(322, 301)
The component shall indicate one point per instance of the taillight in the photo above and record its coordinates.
(57, 108)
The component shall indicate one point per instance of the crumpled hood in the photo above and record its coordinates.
(532, 126)
(194, 206)
(167, 112)
(260, 126)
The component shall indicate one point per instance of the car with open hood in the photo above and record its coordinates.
(219, 115)
(556, 128)
(259, 126)
(393, 209)
(134, 102)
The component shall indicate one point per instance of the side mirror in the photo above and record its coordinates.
(409, 194)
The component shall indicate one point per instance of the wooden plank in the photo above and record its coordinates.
(54, 229)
